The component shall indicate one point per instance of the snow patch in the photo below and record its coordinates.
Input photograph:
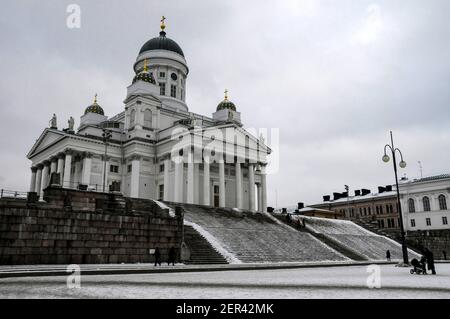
(232, 259)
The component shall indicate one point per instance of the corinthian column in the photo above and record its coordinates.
(238, 185)
(251, 185)
(222, 201)
(33, 179)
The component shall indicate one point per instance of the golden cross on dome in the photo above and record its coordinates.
(95, 98)
(163, 26)
(226, 94)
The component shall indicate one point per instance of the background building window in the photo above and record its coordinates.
(173, 91)
(442, 202)
(130, 168)
(162, 88)
(161, 168)
(162, 74)
(428, 220)
(147, 118)
(426, 204)
(444, 220)
(413, 223)
(411, 206)
(114, 169)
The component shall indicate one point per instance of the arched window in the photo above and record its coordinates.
(442, 202)
(426, 204)
(411, 206)
(132, 118)
(148, 118)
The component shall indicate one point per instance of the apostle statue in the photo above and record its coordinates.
(262, 140)
(53, 123)
(71, 123)
(193, 120)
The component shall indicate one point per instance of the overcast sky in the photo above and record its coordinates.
(333, 76)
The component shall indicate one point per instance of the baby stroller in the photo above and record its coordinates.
(418, 267)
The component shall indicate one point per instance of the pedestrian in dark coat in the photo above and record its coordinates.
(388, 255)
(430, 261)
(157, 256)
(172, 256)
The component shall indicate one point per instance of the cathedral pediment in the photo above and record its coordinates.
(48, 137)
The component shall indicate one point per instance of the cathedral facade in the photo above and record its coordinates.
(156, 148)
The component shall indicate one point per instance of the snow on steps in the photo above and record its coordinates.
(249, 237)
(355, 238)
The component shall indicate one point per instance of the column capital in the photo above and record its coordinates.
(46, 163)
(69, 151)
(60, 155)
(40, 166)
(87, 155)
(34, 169)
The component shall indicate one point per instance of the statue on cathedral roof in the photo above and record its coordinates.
(71, 123)
(53, 123)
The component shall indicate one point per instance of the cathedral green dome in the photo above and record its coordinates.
(94, 108)
(226, 104)
(162, 43)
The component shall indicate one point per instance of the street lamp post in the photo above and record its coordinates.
(347, 188)
(106, 136)
(402, 164)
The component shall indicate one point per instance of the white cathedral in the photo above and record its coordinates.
(156, 148)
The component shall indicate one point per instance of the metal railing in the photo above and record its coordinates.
(5, 193)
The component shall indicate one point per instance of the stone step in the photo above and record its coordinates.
(201, 250)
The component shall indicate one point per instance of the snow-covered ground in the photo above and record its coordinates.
(332, 282)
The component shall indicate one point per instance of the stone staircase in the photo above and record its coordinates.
(373, 227)
(327, 241)
(253, 237)
(201, 251)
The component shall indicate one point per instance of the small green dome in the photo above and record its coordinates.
(226, 104)
(94, 108)
(144, 76)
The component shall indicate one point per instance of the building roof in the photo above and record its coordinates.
(358, 198)
(162, 43)
(429, 178)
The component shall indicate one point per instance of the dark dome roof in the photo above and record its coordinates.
(94, 108)
(162, 43)
(225, 104)
(144, 76)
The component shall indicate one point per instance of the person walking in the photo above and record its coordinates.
(157, 256)
(172, 256)
(444, 254)
(388, 255)
(430, 261)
